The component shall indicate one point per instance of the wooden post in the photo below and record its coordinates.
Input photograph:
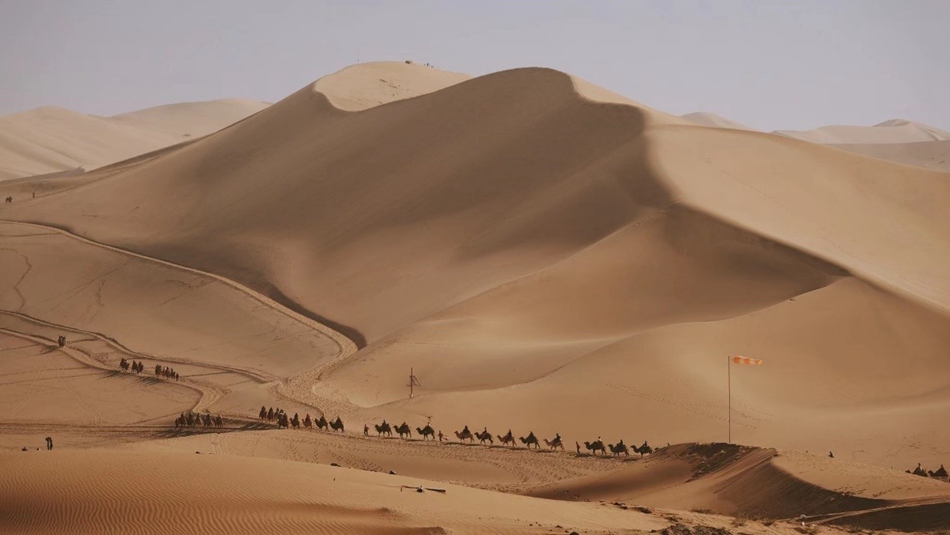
(729, 388)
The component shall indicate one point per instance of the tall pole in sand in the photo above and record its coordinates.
(412, 379)
(729, 388)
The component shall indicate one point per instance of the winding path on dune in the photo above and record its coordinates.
(300, 388)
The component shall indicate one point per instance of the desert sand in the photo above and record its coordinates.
(545, 255)
(50, 139)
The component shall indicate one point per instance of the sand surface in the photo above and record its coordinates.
(50, 139)
(546, 256)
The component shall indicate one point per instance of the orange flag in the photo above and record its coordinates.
(746, 360)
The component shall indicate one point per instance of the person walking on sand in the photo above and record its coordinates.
(440, 435)
(578, 446)
(49, 443)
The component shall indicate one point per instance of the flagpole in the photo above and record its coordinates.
(729, 375)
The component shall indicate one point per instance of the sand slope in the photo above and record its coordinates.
(89, 492)
(704, 118)
(928, 154)
(50, 139)
(891, 131)
(191, 119)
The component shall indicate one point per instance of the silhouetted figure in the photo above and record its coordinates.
(831, 455)
(578, 447)
(61, 341)
(49, 443)
(440, 435)
(365, 430)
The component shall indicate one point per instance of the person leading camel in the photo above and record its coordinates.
(577, 445)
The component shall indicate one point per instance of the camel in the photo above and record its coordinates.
(507, 439)
(530, 440)
(307, 422)
(597, 445)
(403, 430)
(645, 448)
(555, 443)
(321, 423)
(218, 422)
(426, 432)
(941, 472)
(337, 425)
(263, 414)
(383, 429)
(619, 448)
(483, 437)
(10, 199)
(465, 435)
(295, 421)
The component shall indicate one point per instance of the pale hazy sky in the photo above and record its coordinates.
(769, 64)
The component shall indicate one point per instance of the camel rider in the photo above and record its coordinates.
(464, 431)
(557, 437)
(485, 430)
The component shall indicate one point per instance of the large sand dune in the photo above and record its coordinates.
(545, 255)
(49, 139)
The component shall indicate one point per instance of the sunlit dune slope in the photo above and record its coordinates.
(108, 491)
(50, 139)
(929, 154)
(891, 131)
(191, 119)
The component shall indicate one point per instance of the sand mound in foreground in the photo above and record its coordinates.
(762, 483)
(108, 491)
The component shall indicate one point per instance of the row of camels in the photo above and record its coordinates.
(484, 436)
(138, 367)
(597, 447)
(940, 473)
(283, 421)
(192, 419)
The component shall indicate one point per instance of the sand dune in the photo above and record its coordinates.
(47, 140)
(891, 131)
(546, 255)
(191, 119)
(550, 233)
(211, 494)
(704, 118)
(928, 154)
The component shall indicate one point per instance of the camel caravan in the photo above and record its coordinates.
(285, 422)
(940, 473)
(484, 437)
(465, 436)
(192, 419)
(137, 367)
